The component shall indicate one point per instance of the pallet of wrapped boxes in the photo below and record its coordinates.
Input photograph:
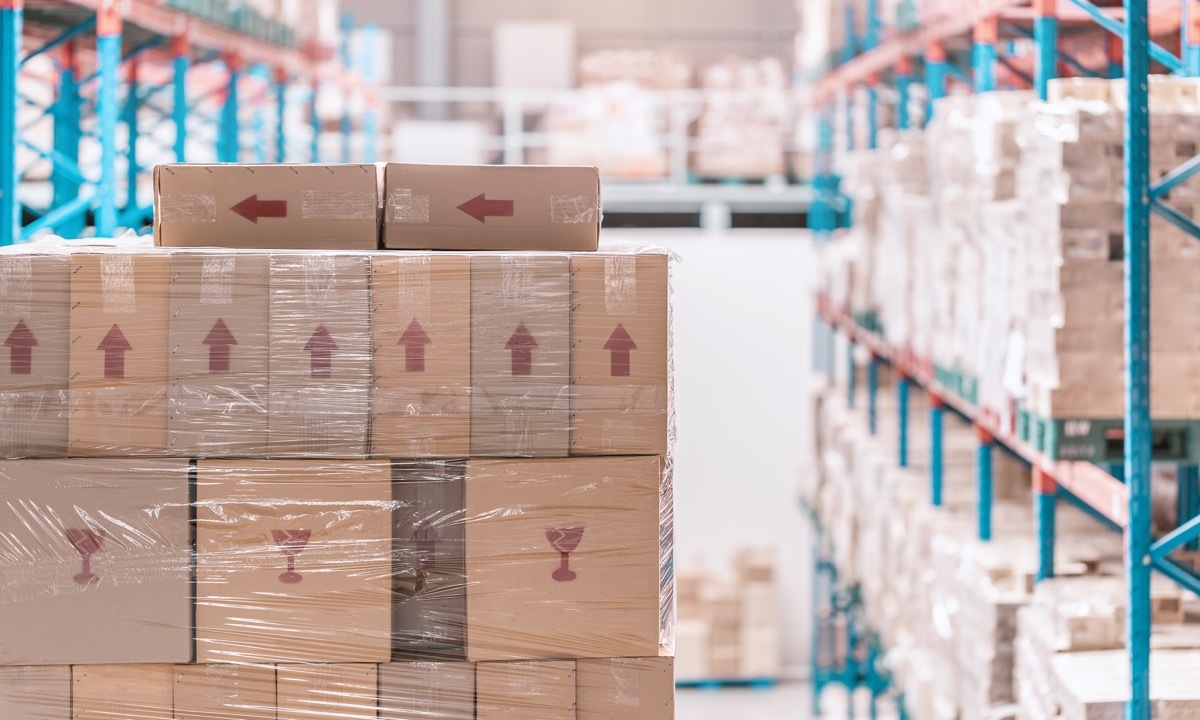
(269, 483)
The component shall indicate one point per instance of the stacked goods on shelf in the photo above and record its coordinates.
(746, 116)
(729, 629)
(358, 484)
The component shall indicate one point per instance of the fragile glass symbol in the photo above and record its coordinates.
(564, 540)
(87, 543)
(291, 543)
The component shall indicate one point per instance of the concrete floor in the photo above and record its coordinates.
(790, 701)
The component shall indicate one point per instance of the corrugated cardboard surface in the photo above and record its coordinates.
(34, 327)
(421, 399)
(320, 355)
(491, 207)
(619, 346)
(137, 608)
(520, 321)
(122, 692)
(338, 609)
(429, 577)
(427, 690)
(516, 606)
(119, 396)
(319, 692)
(35, 693)
(625, 689)
(224, 692)
(218, 354)
(523, 690)
(305, 207)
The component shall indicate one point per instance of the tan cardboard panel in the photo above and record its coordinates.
(427, 690)
(524, 690)
(625, 689)
(35, 693)
(619, 347)
(34, 337)
(320, 355)
(491, 207)
(421, 323)
(293, 561)
(575, 573)
(122, 692)
(305, 207)
(95, 562)
(224, 692)
(118, 383)
(520, 355)
(218, 354)
(319, 692)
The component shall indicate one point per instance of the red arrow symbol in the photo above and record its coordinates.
(480, 208)
(114, 346)
(21, 343)
(219, 341)
(321, 345)
(522, 345)
(414, 341)
(620, 344)
(252, 209)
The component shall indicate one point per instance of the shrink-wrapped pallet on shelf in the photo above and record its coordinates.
(740, 133)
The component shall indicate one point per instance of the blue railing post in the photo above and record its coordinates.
(262, 76)
(851, 373)
(984, 478)
(281, 85)
(132, 169)
(229, 143)
(1045, 37)
(181, 52)
(369, 67)
(984, 56)
(1188, 499)
(315, 120)
(935, 75)
(1045, 497)
(347, 22)
(904, 81)
(66, 142)
(873, 112)
(872, 393)
(902, 384)
(11, 17)
(937, 413)
(108, 51)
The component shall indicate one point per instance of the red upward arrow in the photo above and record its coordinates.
(480, 208)
(21, 343)
(218, 341)
(321, 345)
(252, 209)
(414, 341)
(620, 344)
(114, 346)
(522, 344)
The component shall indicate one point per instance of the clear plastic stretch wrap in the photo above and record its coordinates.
(249, 484)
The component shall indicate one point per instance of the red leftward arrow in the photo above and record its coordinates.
(414, 341)
(321, 346)
(114, 346)
(522, 344)
(252, 209)
(620, 344)
(21, 343)
(219, 341)
(480, 208)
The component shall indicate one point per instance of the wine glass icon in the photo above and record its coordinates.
(564, 540)
(291, 543)
(86, 542)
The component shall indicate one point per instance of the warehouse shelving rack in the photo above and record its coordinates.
(168, 56)
(1124, 504)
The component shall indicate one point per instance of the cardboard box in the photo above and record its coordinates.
(96, 562)
(427, 690)
(520, 355)
(319, 692)
(320, 361)
(118, 355)
(429, 551)
(218, 354)
(121, 692)
(625, 689)
(523, 690)
(293, 561)
(34, 338)
(35, 693)
(224, 692)
(619, 346)
(421, 398)
(575, 573)
(305, 207)
(491, 207)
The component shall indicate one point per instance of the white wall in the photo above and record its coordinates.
(742, 322)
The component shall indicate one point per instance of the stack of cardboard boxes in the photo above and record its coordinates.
(252, 482)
